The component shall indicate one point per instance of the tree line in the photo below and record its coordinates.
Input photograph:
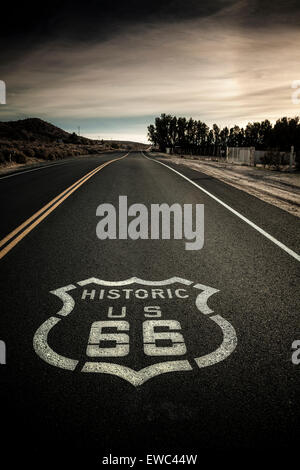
(171, 131)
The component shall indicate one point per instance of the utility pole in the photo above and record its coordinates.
(79, 130)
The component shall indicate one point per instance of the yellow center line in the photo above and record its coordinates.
(60, 198)
(34, 216)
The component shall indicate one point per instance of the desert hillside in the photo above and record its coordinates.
(33, 139)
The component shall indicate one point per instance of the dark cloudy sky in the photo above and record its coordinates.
(112, 66)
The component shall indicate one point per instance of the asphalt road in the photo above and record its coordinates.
(68, 401)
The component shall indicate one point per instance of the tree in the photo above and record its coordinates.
(181, 131)
(152, 134)
(170, 131)
(216, 131)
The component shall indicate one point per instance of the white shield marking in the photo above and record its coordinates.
(136, 378)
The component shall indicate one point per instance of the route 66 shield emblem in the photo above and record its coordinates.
(134, 329)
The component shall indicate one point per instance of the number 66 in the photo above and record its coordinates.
(120, 339)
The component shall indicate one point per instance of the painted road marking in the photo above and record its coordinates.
(152, 336)
(33, 169)
(109, 340)
(242, 217)
(42, 347)
(43, 212)
(34, 216)
(121, 340)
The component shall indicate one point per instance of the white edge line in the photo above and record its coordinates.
(32, 169)
(252, 224)
(41, 168)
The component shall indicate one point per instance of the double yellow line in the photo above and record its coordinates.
(40, 215)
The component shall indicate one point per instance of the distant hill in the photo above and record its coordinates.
(37, 130)
(31, 140)
(34, 129)
(126, 143)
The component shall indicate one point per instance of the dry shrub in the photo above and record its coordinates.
(19, 157)
(29, 152)
(19, 151)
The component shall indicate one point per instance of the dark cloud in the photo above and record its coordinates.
(94, 17)
(28, 24)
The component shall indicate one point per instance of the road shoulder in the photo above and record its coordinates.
(279, 189)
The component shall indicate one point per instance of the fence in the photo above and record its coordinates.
(283, 158)
(250, 156)
(241, 155)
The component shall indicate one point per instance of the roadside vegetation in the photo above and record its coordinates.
(30, 140)
(180, 134)
(22, 152)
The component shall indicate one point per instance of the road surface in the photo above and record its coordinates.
(230, 312)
